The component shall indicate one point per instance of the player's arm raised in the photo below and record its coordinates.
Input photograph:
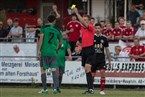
(75, 10)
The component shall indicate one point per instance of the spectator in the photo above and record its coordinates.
(16, 32)
(133, 15)
(108, 31)
(9, 25)
(73, 30)
(102, 24)
(142, 18)
(56, 13)
(137, 51)
(129, 32)
(39, 25)
(31, 34)
(117, 52)
(141, 33)
(122, 23)
(93, 21)
(117, 32)
(3, 32)
(140, 10)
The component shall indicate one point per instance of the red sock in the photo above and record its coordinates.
(102, 83)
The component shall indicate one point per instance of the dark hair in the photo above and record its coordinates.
(89, 17)
(51, 18)
(98, 24)
(92, 18)
(16, 20)
(73, 14)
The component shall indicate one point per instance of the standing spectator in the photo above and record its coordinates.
(129, 31)
(16, 32)
(56, 13)
(3, 32)
(117, 52)
(9, 25)
(93, 21)
(108, 31)
(142, 18)
(122, 23)
(140, 10)
(73, 30)
(117, 32)
(39, 25)
(133, 15)
(102, 22)
(141, 32)
(137, 51)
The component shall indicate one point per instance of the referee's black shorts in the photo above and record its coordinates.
(87, 55)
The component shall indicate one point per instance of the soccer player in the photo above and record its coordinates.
(47, 51)
(100, 43)
(87, 48)
(137, 51)
(61, 57)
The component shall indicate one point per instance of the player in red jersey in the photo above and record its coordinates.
(108, 31)
(73, 30)
(129, 32)
(137, 51)
(88, 51)
(117, 32)
(122, 23)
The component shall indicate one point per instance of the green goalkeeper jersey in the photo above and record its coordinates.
(50, 40)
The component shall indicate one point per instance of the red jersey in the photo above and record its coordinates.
(88, 36)
(107, 32)
(76, 26)
(128, 32)
(137, 50)
(123, 27)
(117, 32)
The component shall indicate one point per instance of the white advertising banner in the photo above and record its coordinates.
(7, 51)
(121, 73)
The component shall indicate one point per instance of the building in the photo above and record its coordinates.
(29, 10)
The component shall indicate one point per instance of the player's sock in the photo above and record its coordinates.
(60, 81)
(102, 83)
(55, 80)
(43, 79)
(89, 80)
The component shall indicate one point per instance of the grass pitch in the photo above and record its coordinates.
(32, 92)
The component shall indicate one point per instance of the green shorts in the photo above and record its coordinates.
(48, 62)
